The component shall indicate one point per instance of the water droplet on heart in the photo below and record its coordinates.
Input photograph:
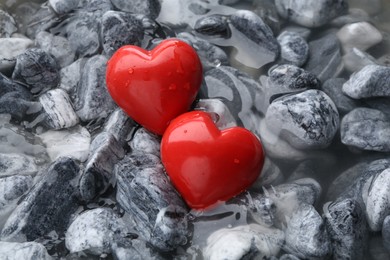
(236, 161)
(131, 71)
(172, 87)
(185, 131)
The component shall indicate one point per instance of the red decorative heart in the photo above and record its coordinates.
(207, 165)
(154, 87)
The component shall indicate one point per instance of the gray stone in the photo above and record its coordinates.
(306, 236)
(93, 100)
(57, 46)
(59, 183)
(271, 175)
(354, 15)
(27, 250)
(371, 81)
(7, 24)
(120, 125)
(10, 48)
(17, 164)
(136, 248)
(386, 233)
(308, 120)
(360, 35)
(144, 141)
(149, 8)
(347, 227)
(267, 11)
(95, 231)
(37, 69)
(36, 18)
(293, 48)
(366, 129)
(119, 29)
(63, 6)
(311, 13)
(58, 109)
(324, 57)
(333, 88)
(70, 76)
(105, 152)
(355, 60)
(288, 257)
(378, 201)
(213, 25)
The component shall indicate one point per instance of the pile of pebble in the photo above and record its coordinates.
(80, 179)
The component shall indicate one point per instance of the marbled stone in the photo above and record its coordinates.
(360, 35)
(70, 76)
(37, 69)
(27, 250)
(57, 46)
(136, 248)
(119, 29)
(213, 25)
(293, 48)
(347, 227)
(371, 81)
(307, 120)
(17, 164)
(366, 129)
(7, 24)
(93, 100)
(63, 6)
(355, 60)
(311, 13)
(149, 8)
(120, 125)
(144, 141)
(59, 183)
(266, 9)
(10, 48)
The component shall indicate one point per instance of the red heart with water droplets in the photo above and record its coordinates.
(207, 165)
(154, 87)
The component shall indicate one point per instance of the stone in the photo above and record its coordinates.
(149, 8)
(10, 48)
(70, 76)
(105, 152)
(252, 241)
(370, 6)
(59, 183)
(307, 120)
(37, 69)
(17, 164)
(324, 57)
(371, 81)
(120, 125)
(27, 250)
(354, 15)
(58, 109)
(63, 6)
(360, 35)
(93, 100)
(355, 60)
(333, 88)
(293, 48)
(119, 29)
(136, 248)
(366, 129)
(306, 235)
(57, 46)
(144, 141)
(73, 142)
(35, 19)
(267, 11)
(7, 24)
(378, 201)
(311, 14)
(347, 227)
(213, 25)
(271, 175)
(95, 231)
(386, 232)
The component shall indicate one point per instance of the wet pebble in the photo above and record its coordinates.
(306, 236)
(10, 48)
(371, 81)
(149, 8)
(252, 241)
(360, 35)
(311, 13)
(378, 202)
(70, 76)
(27, 250)
(57, 46)
(93, 100)
(58, 109)
(95, 231)
(63, 6)
(136, 248)
(144, 141)
(37, 69)
(120, 28)
(307, 120)
(213, 25)
(366, 129)
(7, 24)
(59, 183)
(105, 151)
(293, 48)
(347, 227)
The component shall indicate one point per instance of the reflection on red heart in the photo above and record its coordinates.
(207, 165)
(154, 87)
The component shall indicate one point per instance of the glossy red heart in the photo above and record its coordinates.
(207, 165)
(154, 87)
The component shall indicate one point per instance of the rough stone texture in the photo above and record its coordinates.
(366, 129)
(371, 81)
(347, 227)
(146, 142)
(59, 183)
(293, 48)
(311, 13)
(7, 24)
(213, 25)
(28, 250)
(308, 120)
(120, 28)
(120, 125)
(37, 69)
(70, 76)
(93, 100)
(14, 164)
(10, 48)
(149, 8)
(324, 57)
(63, 6)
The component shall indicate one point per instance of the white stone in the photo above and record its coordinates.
(10, 48)
(23, 251)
